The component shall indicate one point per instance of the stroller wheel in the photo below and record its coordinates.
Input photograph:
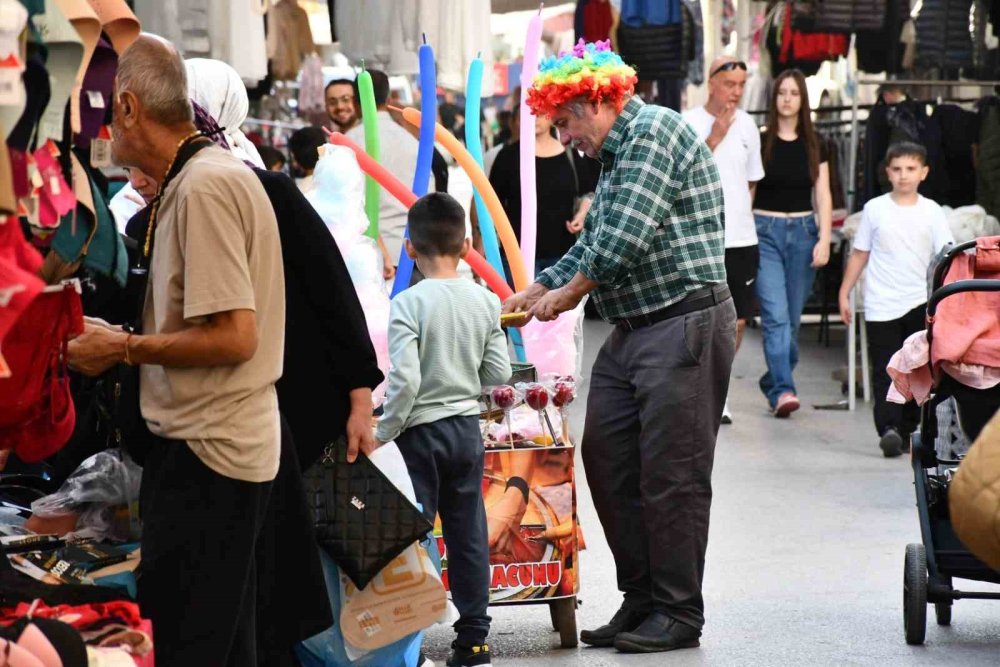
(915, 594)
(942, 610)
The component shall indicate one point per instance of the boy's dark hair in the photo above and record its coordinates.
(304, 144)
(271, 156)
(380, 88)
(906, 149)
(437, 225)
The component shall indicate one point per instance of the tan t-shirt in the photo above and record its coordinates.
(217, 249)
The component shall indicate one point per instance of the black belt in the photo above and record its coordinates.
(697, 300)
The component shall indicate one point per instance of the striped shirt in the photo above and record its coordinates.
(655, 230)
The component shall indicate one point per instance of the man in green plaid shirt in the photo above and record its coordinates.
(652, 256)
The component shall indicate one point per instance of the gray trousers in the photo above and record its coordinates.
(653, 414)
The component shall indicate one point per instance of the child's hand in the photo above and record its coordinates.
(845, 308)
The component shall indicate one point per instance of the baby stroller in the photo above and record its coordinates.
(930, 567)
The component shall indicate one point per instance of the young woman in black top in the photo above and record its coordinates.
(793, 211)
(561, 177)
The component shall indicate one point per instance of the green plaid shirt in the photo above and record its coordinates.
(655, 230)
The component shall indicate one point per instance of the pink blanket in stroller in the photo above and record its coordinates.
(966, 341)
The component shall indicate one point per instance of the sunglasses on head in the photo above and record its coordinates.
(729, 67)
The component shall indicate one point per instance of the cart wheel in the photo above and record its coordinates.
(915, 594)
(564, 620)
(942, 610)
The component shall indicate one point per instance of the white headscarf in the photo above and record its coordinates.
(220, 91)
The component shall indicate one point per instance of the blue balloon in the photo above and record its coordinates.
(425, 153)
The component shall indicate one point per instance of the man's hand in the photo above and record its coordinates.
(96, 350)
(845, 308)
(720, 128)
(821, 254)
(554, 303)
(523, 301)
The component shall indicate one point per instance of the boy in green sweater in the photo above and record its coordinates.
(445, 344)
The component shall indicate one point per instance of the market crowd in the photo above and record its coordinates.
(242, 349)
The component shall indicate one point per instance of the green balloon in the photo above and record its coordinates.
(369, 118)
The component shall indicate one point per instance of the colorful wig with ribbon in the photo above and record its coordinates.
(592, 71)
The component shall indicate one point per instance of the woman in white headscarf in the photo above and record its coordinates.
(219, 90)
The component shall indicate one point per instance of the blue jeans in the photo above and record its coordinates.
(784, 283)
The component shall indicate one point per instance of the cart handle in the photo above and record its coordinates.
(945, 263)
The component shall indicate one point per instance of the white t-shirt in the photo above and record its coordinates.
(739, 163)
(902, 241)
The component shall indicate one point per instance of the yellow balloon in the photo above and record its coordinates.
(482, 185)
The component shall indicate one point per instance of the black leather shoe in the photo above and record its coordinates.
(624, 620)
(658, 633)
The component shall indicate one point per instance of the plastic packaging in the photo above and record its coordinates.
(556, 346)
(340, 201)
(104, 491)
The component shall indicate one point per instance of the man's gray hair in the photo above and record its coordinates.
(153, 70)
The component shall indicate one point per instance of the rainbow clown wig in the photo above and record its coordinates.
(592, 71)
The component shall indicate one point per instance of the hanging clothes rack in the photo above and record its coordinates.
(851, 195)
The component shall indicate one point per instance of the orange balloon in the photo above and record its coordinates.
(482, 185)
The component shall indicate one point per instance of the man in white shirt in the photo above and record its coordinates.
(734, 140)
(399, 156)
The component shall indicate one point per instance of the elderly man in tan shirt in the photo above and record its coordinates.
(210, 352)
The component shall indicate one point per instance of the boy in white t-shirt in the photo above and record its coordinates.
(899, 235)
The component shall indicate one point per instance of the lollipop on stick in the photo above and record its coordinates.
(537, 398)
(564, 393)
(505, 398)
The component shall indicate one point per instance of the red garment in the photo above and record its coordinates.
(19, 284)
(967, 325)
(597, 21)
(81, 617)
(802, 47)
(36, 410)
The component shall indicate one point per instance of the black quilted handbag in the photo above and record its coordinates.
(362, 520)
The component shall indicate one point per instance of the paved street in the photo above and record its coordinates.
(805, 559)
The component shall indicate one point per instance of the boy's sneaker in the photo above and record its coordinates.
(469, 656)
(891, 443)
(727, 416)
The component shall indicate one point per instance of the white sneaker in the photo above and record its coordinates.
(727, 416)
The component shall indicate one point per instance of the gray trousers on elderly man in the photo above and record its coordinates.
(653, 414)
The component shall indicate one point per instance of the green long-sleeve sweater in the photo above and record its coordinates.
(445, 343)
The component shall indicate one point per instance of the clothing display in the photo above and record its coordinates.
(943, 37)
(289, 39)
(387, 34)
(227, 30)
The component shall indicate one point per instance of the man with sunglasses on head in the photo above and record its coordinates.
(734, 140)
